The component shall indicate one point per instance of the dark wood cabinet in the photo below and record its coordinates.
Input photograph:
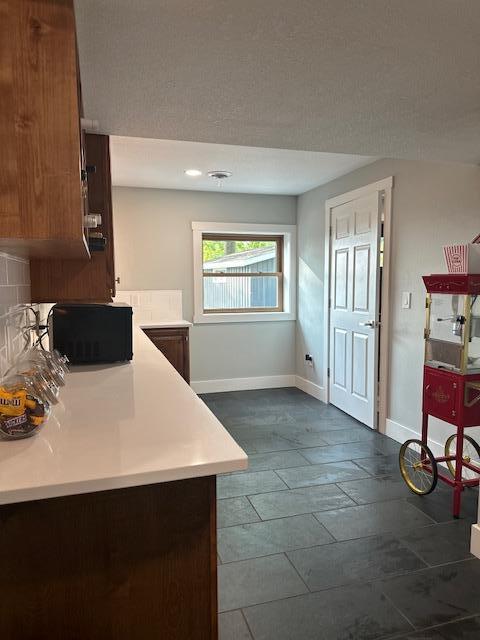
(136, 563)
(42, 194)
(174, 344)
(83, 280)
(97, 150)
(45, 189)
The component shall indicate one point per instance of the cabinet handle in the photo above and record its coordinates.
(90, 168)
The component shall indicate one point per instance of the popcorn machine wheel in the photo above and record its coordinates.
(451, 387)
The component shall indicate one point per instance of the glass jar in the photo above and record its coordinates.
(49, 361)
(23, 410)
(42, 377)
(61, 360)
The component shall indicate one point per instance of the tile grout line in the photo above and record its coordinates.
(369, 475)
(374, 582)
(391, 532)
(298, 573)
(253, 507)
(282, 480)
(274, 553)
(397, 636)
(430, 521)
(315, 513)
(242, 474)
(390, 578)
(310, 486)
(335, 540)
(246, 623)
(358, 504)
(252, 495)
(328, 530)
(299, 451)
(427, 526)
(438, 626)
(259, 604)
(420, 511)
(246, 471)
(417, 555)
(309, 462)
(388, 599)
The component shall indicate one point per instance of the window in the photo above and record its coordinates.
(243, 272)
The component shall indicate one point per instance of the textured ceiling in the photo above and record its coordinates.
(373, 77)
(161, 164)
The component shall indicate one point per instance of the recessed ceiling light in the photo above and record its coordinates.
(219, 175)
(193, 173)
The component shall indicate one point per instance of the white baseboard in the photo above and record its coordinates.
(475, 541)
(243, 384)
(261, 382)
(311, 388)
(400, 433)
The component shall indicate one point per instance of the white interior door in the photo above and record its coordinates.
(354, 307)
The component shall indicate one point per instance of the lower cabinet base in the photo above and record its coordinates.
(136, 564)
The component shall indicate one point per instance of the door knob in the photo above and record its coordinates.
(371, 323)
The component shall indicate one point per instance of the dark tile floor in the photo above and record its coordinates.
(321, 540)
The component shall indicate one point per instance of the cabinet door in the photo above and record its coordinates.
(83, 280)
(173, 343)
(70, 280)
(41, 198)
(97, 149)
(440, 394)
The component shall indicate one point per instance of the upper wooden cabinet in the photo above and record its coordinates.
(42, 197)
(82, 280)
(97, 151)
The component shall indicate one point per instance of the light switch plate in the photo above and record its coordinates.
(406, 300)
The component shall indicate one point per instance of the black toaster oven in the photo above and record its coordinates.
(88, 333)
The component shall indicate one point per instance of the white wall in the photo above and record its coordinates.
(153, 250)
(433, 204)
(14, 290)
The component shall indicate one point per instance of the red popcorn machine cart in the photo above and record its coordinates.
(451, 387)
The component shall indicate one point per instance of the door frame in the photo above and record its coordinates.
(384, 186)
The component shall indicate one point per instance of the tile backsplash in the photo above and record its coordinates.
(14, 291)
(153, 304)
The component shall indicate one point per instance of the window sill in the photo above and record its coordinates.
(219, 318)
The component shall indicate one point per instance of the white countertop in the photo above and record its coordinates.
(116, 426)
(161, 324)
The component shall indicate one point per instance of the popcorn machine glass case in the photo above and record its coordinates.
(453, 332)
(451, 386)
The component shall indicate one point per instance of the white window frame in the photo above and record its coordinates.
(289, 234)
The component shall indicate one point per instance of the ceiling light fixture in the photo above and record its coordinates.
(219, 175)
(193, 173)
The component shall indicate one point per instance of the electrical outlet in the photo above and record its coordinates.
(309, 359)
